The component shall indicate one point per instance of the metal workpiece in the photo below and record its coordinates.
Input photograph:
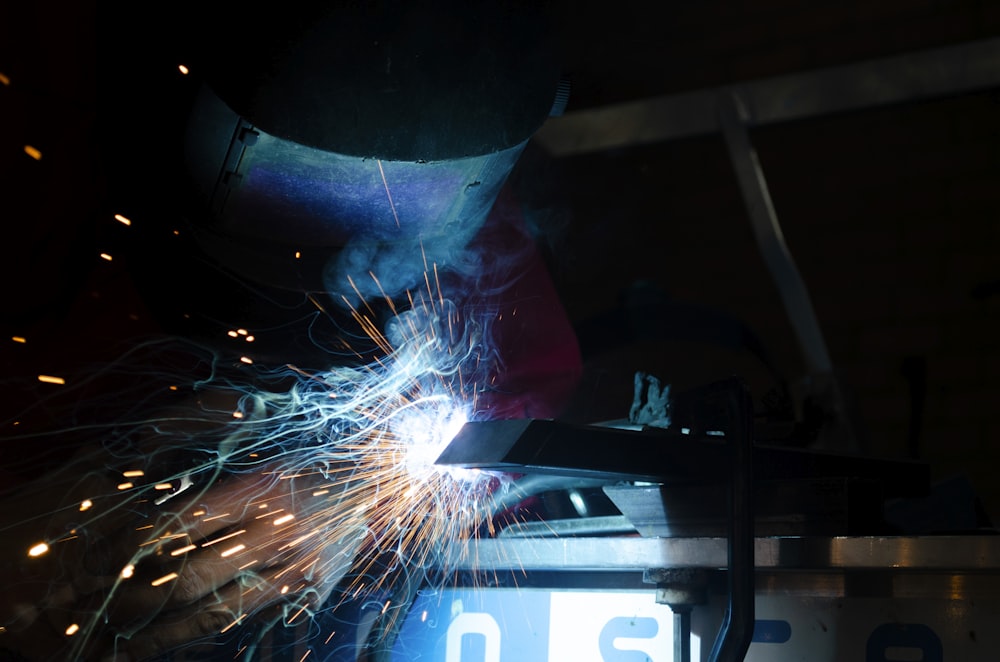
(945, 553)
(656, 455)
(697, 448)
(694, 446)
(558, 448)
(712, 442)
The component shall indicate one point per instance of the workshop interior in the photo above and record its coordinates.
(774, 228)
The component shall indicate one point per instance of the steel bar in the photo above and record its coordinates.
(661, 455)
(952, 70)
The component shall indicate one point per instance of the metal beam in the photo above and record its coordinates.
(603, 554)
(961, 69)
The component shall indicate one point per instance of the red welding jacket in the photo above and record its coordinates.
(539, 363)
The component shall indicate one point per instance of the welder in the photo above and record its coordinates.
(326, 156)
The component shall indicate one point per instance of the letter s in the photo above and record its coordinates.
(622, 627)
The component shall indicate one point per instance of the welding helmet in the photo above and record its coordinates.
(341, 149)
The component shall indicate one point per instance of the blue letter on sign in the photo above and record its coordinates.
(473, 624)
(623, 627)
(905, 636)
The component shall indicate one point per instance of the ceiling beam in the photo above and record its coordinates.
(953, 70)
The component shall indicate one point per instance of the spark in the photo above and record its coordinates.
(299, 540)
(133, 473)
(33, 152)
(38, 549)
(128, 571)
(225, 537)
(86, 504)
(4, 80)
(232, 625)
(232, 550)
(164, 579)
(50, 379)
(183, 69)
(72, 629)
(106, 256)
(19, 339)
(124, 220)
(298, 613)
(388, 193)
(355, 446)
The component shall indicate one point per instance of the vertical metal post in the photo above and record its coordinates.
(682, 633)
(734, 636)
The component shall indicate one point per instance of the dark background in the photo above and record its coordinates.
(891, 213)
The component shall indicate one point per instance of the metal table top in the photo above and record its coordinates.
(954, 553)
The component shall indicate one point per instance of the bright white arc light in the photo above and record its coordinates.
(427, 431)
